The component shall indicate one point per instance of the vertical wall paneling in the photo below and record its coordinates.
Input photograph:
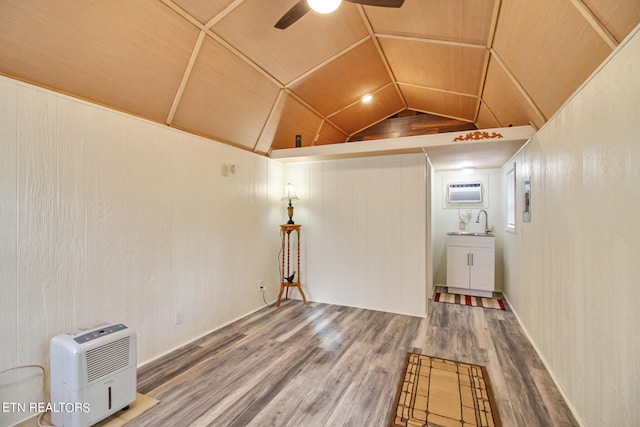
(70, 212)
(344, 218)
(109, 218)
(313, 239)
(8, 255)
(146, 168)
(100, 294)
(380, 220)
(273, 174)
(413, 185)
(360, 235)
(571, 273)
(364, 231)
(446, 218)
(428, 176)
(38, 194)
(331, 203)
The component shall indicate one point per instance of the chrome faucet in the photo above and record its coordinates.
(486, 221)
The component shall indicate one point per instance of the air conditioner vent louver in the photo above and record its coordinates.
(108, 358)
(465, 192)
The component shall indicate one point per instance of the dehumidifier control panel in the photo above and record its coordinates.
(99, 332)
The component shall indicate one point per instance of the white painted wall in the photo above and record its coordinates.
(572, 274)
(364, 231)
(105, 217)
(446, 217)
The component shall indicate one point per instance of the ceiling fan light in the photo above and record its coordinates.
(324, 6)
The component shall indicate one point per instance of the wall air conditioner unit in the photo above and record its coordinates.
(465, 192)
(93, 374)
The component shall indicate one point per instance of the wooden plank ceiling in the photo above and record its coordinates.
(219, 68)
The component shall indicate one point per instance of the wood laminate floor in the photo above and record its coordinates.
(326, 365)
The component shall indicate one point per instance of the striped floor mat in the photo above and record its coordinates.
(495, 303)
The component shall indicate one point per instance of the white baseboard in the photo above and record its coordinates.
(546, 365)
(141, 364)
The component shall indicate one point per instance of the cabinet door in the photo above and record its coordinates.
(482, 269)
(458, 266)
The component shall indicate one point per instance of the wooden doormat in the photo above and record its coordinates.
(142, 404)
(495, 303)
(440, 392)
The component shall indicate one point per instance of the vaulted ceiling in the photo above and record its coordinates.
(219, 68)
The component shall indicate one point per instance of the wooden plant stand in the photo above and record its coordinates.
(286, 272)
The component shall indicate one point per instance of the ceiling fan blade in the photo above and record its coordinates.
(379, 3)
(296, 12)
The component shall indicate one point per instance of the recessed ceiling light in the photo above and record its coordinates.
(366, 98)
(324, 6)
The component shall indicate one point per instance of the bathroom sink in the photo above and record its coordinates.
(469, 233)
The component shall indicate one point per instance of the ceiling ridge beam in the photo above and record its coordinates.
(180, 11)
(383, 57)
(185, 77)
(494, 23)
(490, 111)
(213, 138)
(330, 123)
(428, 40)
(485, 66)
(595, 23)
(327, 61)
(338, 128)
(243, 57)
(227, 10)
(219, 39)
(359, 100)
(186, 15)
(483, 81)
(303, 102)
(435, 89)
(520, 88)
(317, 135)
(205, 30)
(269, 118)
(313, 110)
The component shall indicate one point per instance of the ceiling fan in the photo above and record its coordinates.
(303, 6)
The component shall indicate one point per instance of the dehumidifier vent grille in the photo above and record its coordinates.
(107, 358)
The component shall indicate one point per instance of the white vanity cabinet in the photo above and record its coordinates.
(471, 264)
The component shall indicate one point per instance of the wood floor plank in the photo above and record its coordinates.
(331, 389)
(326, 365)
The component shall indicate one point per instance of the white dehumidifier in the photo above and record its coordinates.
(93, 374)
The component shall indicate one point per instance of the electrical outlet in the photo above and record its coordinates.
(178, 316)
(261, 286)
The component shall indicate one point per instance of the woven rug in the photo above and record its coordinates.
(439, 392)
(495, 303)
